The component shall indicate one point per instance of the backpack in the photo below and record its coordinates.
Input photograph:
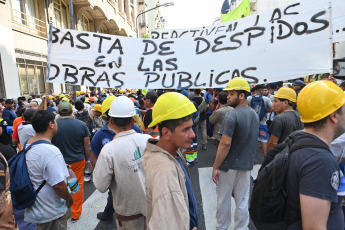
(257, 103)
(85, 117)
(268, 203)
(203, 107)
(22, 191)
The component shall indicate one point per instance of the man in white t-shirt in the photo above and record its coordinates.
(46, 163)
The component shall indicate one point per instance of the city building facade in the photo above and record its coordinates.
(24, 26)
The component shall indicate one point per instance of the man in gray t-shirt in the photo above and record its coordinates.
(235, 155)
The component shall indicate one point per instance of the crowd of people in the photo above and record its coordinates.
(141, 143)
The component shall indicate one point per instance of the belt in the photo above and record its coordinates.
(127, 218)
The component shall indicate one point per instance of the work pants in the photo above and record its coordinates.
(137, 224)
(78, 198)
(202, 128)
(236, 182)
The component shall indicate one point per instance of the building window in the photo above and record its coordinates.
(24, 12)
(85, 25)
(24, 15)
(61, 15)
(31, 71)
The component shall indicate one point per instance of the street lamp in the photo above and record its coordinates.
(136, 19)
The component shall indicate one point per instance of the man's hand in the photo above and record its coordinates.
(69, 202)
(195, 228)
(216, 176)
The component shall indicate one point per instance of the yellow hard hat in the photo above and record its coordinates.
(171, 106)
(62, 96)
(87, 100)
(286, 93)
(144, 91)
(106, 104)
(57, 95)
(65, 99)
(81, 92)
(77, 93)
(98, 107)
(318, 100)
(103, 91)
(51, 97)
(238, 83)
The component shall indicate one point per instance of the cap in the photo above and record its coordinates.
(299, 82)
(185, 92)
(273, 85)
(9, 101)
(65, 107)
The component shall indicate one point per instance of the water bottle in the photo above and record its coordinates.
(87, 171)
(72, 181)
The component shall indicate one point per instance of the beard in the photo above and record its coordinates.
(235, 102)
(339, 131)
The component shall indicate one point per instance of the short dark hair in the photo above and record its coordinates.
(342, 84)
(242, 91)
(41, 119)
(317, 125)
(139, 92)
(280, 84)
(122, 121)
(197, 91)
(290, 103)
(172, 124)
(79, 105)
(223, 98)
(152, 96)
(1, 99)
(21, 111)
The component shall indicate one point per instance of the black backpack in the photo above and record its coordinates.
(85, 117)
(268, 203)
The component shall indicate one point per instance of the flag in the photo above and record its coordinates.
(225, 7)
(243, 10)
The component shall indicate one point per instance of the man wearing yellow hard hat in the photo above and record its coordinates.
(170, 200)
(287, 120)
(235, 156)
(313, 174)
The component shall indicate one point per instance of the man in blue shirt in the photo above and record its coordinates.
(209, 101)
(8, 110)
(101, 138)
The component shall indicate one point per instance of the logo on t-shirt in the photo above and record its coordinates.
(137, 154)
(335, 180)
(105, 141)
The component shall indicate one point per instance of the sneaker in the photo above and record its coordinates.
(203, 147)
(74, 220)
(104, 217)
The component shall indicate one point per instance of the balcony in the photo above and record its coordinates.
(28, 24)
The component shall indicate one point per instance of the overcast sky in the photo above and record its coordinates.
(191, 13)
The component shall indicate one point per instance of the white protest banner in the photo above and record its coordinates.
(289, 42)
(338, 20)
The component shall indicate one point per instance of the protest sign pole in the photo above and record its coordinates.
(72, 27)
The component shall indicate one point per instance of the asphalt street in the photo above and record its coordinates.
(95, 202)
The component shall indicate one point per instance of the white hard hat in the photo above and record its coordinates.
(122, 106)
